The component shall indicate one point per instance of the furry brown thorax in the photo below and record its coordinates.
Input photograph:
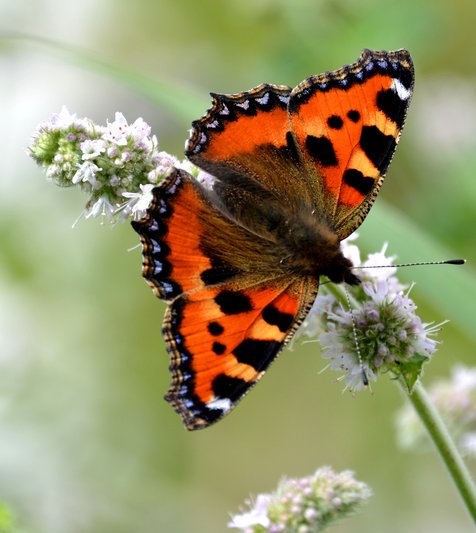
(314, 249)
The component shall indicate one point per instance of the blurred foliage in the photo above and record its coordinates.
(86, 441)
(6, 524)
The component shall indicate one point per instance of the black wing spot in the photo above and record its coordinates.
(321, 149)
(215, 329)
(275, 317)
(335, 122)
(233, 303)
(218, 273)
(256, 353)
(377, 146)
(390, 103)
(355, 179)
(353, 115)
(218, 348)
(228, 387)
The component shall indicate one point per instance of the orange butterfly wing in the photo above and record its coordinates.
(329, 141)
(223, 327)
(302, 165)
(347, 124)
(249, 135)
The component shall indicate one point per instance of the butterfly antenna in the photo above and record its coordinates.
(365, 379)
(419, 263)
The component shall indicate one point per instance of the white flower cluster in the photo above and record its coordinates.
(305, 505)
(117, 165)
(381, 325)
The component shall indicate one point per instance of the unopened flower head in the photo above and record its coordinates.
(379, 332)
(455, 399)
(116, 164)
(305, 505)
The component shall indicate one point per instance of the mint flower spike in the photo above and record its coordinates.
(117, 165)
(305, 505)
(390, 336)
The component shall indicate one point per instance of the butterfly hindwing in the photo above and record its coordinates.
(347, 124)
(222, 339)
(227, 320)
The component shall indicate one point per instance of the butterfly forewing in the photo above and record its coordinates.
(347, 124)
(248, 136)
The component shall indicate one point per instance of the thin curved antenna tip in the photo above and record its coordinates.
(419, 263)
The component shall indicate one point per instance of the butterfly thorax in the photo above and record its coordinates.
(301, 241)
(312, 248)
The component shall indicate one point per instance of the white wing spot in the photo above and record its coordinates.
(263, 100)
(222, 404)
(403, 92)
(153, 226)
(244, 105)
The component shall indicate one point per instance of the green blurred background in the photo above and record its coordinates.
(86, 442)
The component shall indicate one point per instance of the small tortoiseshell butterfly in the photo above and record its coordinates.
(295, 172)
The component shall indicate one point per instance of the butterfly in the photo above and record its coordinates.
(238, 259)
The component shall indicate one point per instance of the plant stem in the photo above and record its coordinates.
(444, 444)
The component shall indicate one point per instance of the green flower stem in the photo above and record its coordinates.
(444, 443)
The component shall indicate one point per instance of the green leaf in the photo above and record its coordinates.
(411, 370)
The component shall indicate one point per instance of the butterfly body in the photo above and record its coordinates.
(301, 243)
(295, 171)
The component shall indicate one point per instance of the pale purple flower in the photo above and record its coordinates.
(86, 173)
(63, 120)
(138, 202)
(139, 129)
(116, 132)
(306, 504)
(205, 179)
(257, 516)
(165, 163)
(92, 148)
(101, 208)
(106, 162)
(380, 332)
